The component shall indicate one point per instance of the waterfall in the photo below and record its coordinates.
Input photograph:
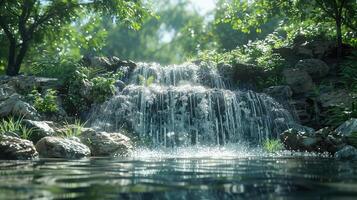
(182, 105)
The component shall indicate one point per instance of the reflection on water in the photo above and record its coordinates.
(155, 175)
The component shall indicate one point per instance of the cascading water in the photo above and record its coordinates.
(182, 105)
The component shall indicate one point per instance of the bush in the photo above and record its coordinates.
(89, 85)
(273, 145)
(46, 103)
(259, 53)
(15, 125)
(52, 66)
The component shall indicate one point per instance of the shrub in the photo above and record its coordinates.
(46, 103)
(102, 89)
(259, 53)
(273, 145)
(60, 67)
(15, 125)
(89, 85)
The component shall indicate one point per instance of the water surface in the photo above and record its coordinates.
(198, 174)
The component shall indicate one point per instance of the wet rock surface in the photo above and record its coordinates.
(347, 153)
(40, 129)
(58, 147)
(321, 141)
(14, 148)
(106, 144)
(347, 128)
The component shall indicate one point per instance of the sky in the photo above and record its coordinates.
(203, 6)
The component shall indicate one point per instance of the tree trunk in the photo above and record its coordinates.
(11, 62)
(339, 39)
(15, 61)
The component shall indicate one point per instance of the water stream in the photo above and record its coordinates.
(183, 105)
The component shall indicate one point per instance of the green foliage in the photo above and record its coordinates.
(27, 23)
(15, 125)
(46, 103)
(259, 53)
(273, 145)
(338, 114)
(89, 85)
(102, 88)
(177, 33)
(349, 73)
(73, 130)
(52, 66)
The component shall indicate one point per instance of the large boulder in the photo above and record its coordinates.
(314, 67)
(106, 144)
(348, 152)
(59, 147)
(347, 128)
(299, 80)
(14, 148)
(14, 105)
(40, 129)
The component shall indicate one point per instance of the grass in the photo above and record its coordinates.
(73, 130)
(273, 145)
(15, 125)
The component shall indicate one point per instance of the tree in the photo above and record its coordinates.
(26, 22)
(340, 12)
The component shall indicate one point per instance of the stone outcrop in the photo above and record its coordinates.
(14, 148)
(15, 105)
(59, 147)
(40, 129)
(106, 144)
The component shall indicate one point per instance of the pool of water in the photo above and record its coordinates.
(183, 174)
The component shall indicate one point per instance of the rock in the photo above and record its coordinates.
(338, 97)
(348, 152)
(347, 128)
(106, 144)
(314, 67)
(299, 80)
(14, 148)
(58, 147)
(303, 51)
(300, 141)
(26, 84)
(97, 61)
(297, 141)
(6, 91)
(279, 92)
(15, 106)
(120, 84)
(40, 129)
